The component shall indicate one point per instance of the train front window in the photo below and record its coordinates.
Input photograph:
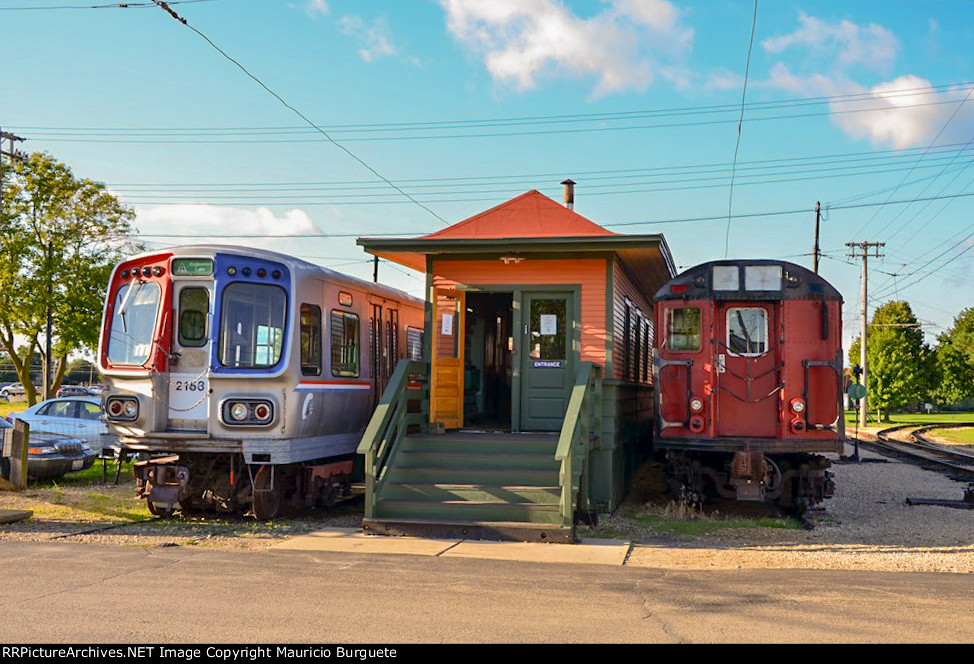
(747, 331)
(683, 329)
(133, 323)
(762, 277)
(252, 326)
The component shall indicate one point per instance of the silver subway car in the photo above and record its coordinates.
(247, 376)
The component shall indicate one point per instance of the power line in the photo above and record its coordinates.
(773, 213)
(550, 132)
(508, 121)
(344, 149)
(935, 139)
(740, 123)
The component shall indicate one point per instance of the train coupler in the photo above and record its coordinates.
(748, 475)
(160, 482)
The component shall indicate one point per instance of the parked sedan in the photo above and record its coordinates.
(73, 391)
(76, 417)
(50, 456)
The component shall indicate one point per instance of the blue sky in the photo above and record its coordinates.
(464, 104)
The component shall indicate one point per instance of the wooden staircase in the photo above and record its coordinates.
(470, 484)
(524, 487)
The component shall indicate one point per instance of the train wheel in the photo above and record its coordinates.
(267, 493)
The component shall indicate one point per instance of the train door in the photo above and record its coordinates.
(377, 354)
(446, 387)
(547, 373)
(748, 372)
(189, 401)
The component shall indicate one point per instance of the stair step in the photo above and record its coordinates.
(472, 475)
(482, 493)
(517, 531)
(468, 510)
(482, 444)
(448, 459)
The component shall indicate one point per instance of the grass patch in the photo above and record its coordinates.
(954, 436)
(681, 519)
(919, 419)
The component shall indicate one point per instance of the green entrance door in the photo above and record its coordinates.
(546, 360)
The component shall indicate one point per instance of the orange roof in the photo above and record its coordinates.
(531, 214)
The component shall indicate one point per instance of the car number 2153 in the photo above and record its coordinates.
(190, 385)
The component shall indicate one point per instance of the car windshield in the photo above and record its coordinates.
(133, 323)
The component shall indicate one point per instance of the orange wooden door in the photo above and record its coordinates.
(446, 390)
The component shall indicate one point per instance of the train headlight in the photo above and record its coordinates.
(696, 405)
(239, 412)
(130, 409)
(797, 406)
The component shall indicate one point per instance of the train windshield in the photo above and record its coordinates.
(252, 325)
(133, 323)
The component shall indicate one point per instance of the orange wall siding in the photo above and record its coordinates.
(590, 274)
(624, 288)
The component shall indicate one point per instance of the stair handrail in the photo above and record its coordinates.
(579, 431)
(387, 427)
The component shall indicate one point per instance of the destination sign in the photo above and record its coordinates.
(192, 267)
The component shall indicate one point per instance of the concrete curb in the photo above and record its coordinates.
(353, 540)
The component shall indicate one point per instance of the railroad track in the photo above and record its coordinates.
(956, 464)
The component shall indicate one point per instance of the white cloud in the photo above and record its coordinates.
(904, 112)
(871, 46)
(316, 7)
(523, 41)
(376, 39)
(212, 221)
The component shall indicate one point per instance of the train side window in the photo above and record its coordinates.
(194, 304)
(414, 343)
(344, 344)
(310, 340)
(683, 329)
(747, 331)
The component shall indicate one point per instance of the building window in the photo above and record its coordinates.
(344, 344)
(310, 340)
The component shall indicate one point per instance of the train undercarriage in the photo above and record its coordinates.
(195, 484)
(793, 482)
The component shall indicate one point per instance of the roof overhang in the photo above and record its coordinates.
(646, 258)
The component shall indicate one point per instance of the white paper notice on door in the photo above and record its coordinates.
(447, 324)
(549, 325)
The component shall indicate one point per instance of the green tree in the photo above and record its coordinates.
(60, 238)
(900, 364)
(955, 360)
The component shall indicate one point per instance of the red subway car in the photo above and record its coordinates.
(748, 368)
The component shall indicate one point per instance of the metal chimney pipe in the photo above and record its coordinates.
(569, 195)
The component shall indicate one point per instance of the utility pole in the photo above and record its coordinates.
(815, 251)
(375, 269)
(864, 247)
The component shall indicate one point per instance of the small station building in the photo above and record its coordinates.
(536, 374)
